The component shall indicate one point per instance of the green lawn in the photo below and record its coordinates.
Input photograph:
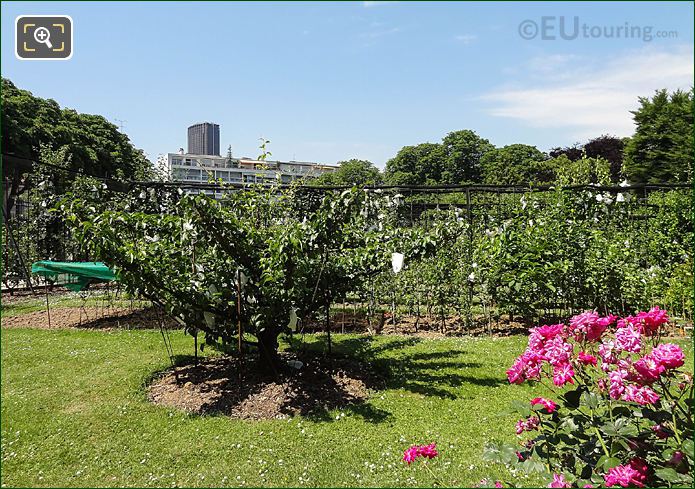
(74, 413)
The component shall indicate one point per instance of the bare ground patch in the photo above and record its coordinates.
(216, 386)
(90, 317)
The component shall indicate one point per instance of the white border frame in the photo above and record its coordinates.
(72, 33)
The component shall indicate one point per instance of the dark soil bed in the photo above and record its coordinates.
(215, 386)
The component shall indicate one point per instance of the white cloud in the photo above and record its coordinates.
(377, 4)
(591, 97)
(466, 38)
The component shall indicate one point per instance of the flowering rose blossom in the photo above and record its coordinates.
(640, 465)
(623, 322)
(541, 334)
(640, 395)
(668, 355)
(628, 339)
(634, 474)
(590, 326)
(415, 451)
(586, 359)
(557, 351)
(527, 366)
(410, 454)
(623, 475)
(563, 374)
(607, 321)
(527, 425)
(582, 323)
(549, 405)
(607, 352)
(429, 451)
(559, 481)
(617, 386)
(648, 369)
(651, 321)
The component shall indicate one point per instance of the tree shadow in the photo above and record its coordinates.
(146, 318)
(425, 373)
(357, 366)
(224, 386)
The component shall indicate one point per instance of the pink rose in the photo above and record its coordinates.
(549, 405)
(559, 481)
(586, 359)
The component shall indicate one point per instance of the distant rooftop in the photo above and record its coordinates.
(254, 160)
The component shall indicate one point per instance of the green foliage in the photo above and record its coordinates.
(456, 160)
(464, 150)
(351, 172)
(291, 252)
(661, 149)
(93, 144)
(516, 164)
(581, 171)
(416, 165)
(598, 424)
(549, 253)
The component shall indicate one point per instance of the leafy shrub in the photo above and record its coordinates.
(623, 414)
(275, 253)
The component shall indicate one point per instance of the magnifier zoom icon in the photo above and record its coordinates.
(43, 36)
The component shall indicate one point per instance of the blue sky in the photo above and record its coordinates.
(332, 81)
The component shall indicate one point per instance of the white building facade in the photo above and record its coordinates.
(205, 168)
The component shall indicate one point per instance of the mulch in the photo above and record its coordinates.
(220, 386)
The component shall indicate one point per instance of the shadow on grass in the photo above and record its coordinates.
(147, 318)
(425, 373)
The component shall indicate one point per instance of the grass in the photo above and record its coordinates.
(74, 413)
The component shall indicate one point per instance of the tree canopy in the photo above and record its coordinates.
(455, 160)
(93, 145)
(515, 164)
(464, 149)
(421, 164)
(661, 149)
(351, 172)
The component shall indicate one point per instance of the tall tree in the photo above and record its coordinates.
(609, 148)
(573, 153)
(516, 164)
(464, 149)
(417, 165)
(661, 149)
(351, 172)
(94, 145)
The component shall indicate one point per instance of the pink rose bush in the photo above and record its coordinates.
(621, 412)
